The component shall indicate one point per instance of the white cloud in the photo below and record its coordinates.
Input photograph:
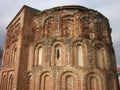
(111, 10)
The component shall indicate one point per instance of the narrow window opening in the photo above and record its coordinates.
(98, 57)
(58, 54)
(79, 55)
(15, 57)
(40, 56)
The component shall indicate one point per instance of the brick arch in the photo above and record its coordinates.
(11, 57)
(14, 55)
(96, 71)
(83, 19)
(69, 69)
(37, 27)
(66, 83)
(111, 81)
(36, 54)
(67, 25)
(49, 26)
(10, 82)
(111, 58)
(113, 84)
(105, 57)
(80, 26)
(95, 76)
(3, 59)
(54, 61)
(4, 83)
(102, 55)
(6, 59)
(46, 81)
(63, 77)
(83, 46)
(93, 82)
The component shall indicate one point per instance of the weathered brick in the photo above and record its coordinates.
(63, 48)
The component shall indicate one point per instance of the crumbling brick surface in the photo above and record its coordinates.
(63, 48)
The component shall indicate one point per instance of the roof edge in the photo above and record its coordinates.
(24, 7)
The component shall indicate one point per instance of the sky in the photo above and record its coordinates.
(109, 8)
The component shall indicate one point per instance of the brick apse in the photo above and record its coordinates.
(63, 48)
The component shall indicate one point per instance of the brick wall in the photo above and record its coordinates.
(63, 48)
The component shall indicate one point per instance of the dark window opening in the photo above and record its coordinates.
(58, 54)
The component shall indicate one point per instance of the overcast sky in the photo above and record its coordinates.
(109, 8)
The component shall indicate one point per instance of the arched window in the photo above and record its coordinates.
(98, 54)
(40, 56)
(49, 26)
(10, 83)
(57, 55)
(93, 82)
(57, 52)
(111, 59)
(67, 25)
(104, 58)
(79, 55)
(4, 83)
(101, 57)
(14, 56)
(46, 81)
(111, 83)
(69, 83)
(6, 59)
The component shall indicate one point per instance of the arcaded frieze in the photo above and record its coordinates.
(63, 48)
(71, 23)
